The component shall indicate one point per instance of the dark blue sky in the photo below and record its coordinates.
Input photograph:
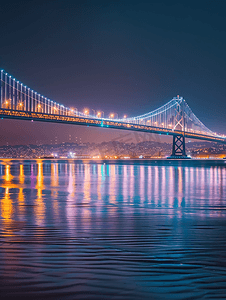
(128, 57)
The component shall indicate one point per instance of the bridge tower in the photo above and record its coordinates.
(178, 150)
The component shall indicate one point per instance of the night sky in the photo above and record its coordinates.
(126, 57)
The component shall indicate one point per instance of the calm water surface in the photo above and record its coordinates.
(119, 230)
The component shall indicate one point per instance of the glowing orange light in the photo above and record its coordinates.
(124, 116)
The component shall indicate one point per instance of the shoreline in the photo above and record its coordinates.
(162, 161)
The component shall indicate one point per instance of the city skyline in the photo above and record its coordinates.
(116, 149)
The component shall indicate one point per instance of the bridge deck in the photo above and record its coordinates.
(76, 120)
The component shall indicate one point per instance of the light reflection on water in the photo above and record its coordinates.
(112, 230)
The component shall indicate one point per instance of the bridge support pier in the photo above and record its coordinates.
(178, 151)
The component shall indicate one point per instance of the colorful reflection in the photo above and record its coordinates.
(8, 177)
(39, 208)
(6, 206)
(21, 176)
(97, 186)
(6, 203)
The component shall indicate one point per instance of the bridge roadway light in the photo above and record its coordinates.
(71, 109)
(74, 110)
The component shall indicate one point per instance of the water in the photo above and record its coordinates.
(119, 230)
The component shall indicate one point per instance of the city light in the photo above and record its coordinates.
(71, 155)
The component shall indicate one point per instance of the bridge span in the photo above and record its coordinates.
(175, 118)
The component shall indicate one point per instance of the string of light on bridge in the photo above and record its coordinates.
(174, 115)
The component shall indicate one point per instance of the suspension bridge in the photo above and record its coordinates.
(174, 118)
